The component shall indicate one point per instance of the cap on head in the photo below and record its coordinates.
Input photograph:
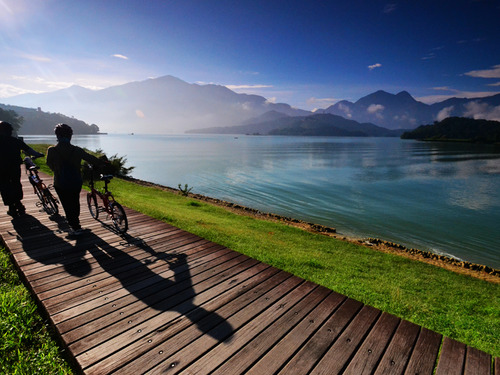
(6, 128)
(63, 131)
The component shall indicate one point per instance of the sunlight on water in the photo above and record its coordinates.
(443, 197)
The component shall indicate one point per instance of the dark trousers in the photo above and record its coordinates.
(70, 200)
(10, 185)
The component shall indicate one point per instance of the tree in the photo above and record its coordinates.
(11, 117)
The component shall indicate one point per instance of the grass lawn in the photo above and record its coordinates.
(457, 306)
(26, 346)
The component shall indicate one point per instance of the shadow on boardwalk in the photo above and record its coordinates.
(42, 245)
(162, 294)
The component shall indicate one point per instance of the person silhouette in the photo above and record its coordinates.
(65, 161)
(10, 170)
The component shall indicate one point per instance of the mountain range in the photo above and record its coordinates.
(170, 105)
(275, 123)
(160, 105)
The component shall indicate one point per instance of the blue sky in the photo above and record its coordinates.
(308, 54)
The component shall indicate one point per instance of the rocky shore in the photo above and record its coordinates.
(471, 269)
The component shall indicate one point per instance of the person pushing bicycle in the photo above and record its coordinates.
(10, 169)
(65, 161)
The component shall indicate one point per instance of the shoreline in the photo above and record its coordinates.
(463, 267)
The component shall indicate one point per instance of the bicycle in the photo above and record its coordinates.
(109, 205)
(47, 200)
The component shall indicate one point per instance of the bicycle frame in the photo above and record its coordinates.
(42, 191)
(114, 210)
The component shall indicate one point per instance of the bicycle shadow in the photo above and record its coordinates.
(42, 245)
(163, 294)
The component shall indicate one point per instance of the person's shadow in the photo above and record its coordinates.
(42, 245)
(163, 294)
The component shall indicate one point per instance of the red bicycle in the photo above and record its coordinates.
(47, 200)
(109, 205)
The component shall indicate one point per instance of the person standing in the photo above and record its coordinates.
(10, 170)
(65, 161)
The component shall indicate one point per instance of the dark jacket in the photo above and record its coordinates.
(10, 150)
(65, 160)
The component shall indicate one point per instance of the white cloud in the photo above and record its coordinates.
(374, 108)
(479, 110)
(494, 72)
(247, 87)
(444, 113)
(346, 110)
(7, 91)
(377, 65)
(494, 84)
(35, 58)
(118, 56)
(321, 102)
(430, 99)
(271, 100)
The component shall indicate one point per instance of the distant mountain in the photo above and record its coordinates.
(400, 111)
(313, 125)
(160, 105)
(170, 105)
(458, 129)
(38, 122)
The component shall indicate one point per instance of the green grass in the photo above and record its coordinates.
(457, 306)
(26, 346)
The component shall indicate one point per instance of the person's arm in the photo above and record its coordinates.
(50, 160)
(28, 150)
(90, 158)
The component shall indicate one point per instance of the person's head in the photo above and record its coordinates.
(6, 128)
(63, 132)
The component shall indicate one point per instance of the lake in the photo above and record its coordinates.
(441, 197)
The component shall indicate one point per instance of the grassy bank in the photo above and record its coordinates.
(457, 306)
(26, 346)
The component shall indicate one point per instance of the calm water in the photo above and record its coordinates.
(432, 196)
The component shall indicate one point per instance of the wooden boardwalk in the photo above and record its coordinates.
(163, 301)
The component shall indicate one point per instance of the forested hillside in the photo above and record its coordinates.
(458, 129)
(35, 121)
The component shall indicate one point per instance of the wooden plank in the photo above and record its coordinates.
(373, 346)
(163, 344)
(477, 362)
(166, 299)
(397, 355)
(337, 357)
(146, 287)
(292, 342)
(423, 358)
(318, 344)
(497, 366)
(253, 349)
(70, 319)
(452, 358)
(221, 349)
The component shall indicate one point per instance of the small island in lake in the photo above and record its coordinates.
(458, 129)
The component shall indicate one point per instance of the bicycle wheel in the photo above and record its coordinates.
(50, 203)
(118, 217)
(93, 207)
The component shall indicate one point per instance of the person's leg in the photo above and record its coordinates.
(70, 200)
(12, 190)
